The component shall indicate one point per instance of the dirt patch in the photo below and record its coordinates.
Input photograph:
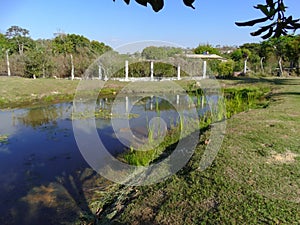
(287, 157)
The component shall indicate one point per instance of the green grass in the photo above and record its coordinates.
(255, 178)
(22, 92)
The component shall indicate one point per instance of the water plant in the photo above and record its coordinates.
(3, 138)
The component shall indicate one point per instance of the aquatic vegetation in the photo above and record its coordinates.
(3, 138)
(235, 100)
(101, 114)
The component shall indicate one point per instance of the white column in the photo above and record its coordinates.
(7, 63)
(178, 72)
(151, 70)
(177, 99)
(126, 70)
(72, 67)
(100, 72)
(105, 77)
(245, 66)
(204, 69)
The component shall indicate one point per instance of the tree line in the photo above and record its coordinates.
(66, 55)
(69, 55)
(276, 56)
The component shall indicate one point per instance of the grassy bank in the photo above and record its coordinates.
(255, 178)
(22, 92)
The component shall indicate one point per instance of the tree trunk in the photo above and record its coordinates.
(7, 63)
(280, 66)
(262, 65)
(44, 75)
(297, 67)
(72, 67)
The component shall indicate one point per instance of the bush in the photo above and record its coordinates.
(225, 68)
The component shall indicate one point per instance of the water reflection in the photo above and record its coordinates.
(43, 175)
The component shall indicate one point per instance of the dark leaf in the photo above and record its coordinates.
(264, 9)
(251, 22)
(261, 30)
(189, 3)
(269, 2)
(266, 36)
(156, 4)
(127, 1)
(142, 2)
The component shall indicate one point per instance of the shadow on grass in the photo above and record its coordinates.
(274, 80)
(286, 93)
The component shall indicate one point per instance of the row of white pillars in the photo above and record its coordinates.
(151, 71)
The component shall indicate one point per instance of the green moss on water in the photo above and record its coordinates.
(101, 114)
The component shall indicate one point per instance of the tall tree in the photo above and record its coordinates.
(66, 44)
(4, 51)
(19, 36)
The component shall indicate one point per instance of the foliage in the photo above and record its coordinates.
(206, 49)
(280, 23)
(159, 4)
(18, 37)
(273, 11)
(37, 62)
(5, 45)
(158, 53)
(225, 68)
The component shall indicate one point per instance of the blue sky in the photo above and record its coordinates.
(115, 23)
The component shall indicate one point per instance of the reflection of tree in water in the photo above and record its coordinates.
(35, 117)
(62, 200)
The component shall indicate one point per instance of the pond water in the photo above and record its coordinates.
(43, 176)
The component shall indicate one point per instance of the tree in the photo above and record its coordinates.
(225, 68)
(66, 44)
(37, 60)
(255, 55)
(292, 51)
(278, 45)
(280, 23)
(206, 49)
(241, 54)
(80, 51)
(99, 48)
(274, 11)
(5, 51)
(18, 35)
(157, 53)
